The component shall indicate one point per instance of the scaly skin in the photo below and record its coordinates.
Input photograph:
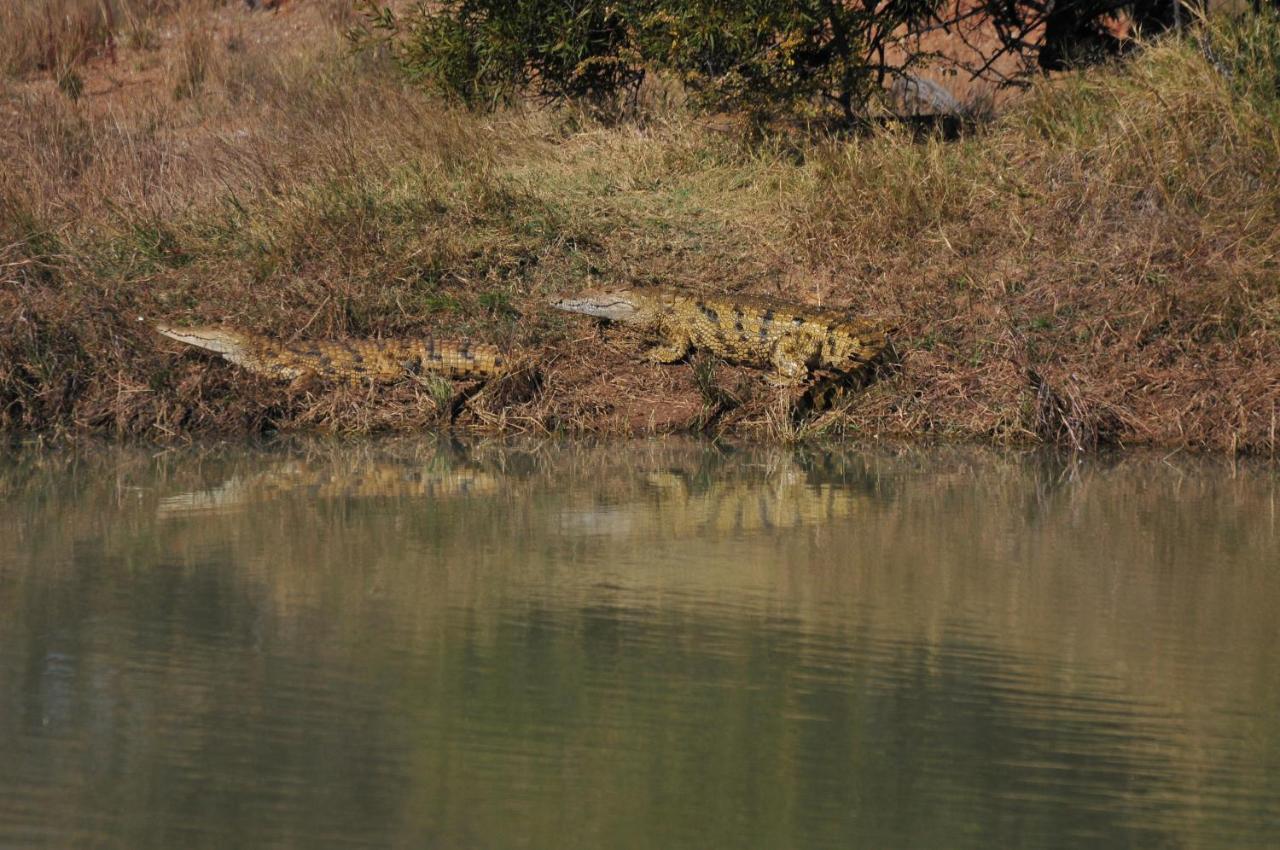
(351, 360)
(791, 339)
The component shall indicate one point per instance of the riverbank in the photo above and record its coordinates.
(1096, 266)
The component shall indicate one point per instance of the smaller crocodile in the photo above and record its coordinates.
(351, 360)
(790, 339)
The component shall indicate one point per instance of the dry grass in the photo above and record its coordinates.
(1098, 266)
(58, 35)
(1116, 235)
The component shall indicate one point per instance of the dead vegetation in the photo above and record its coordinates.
(1098, 266)
(58, 36)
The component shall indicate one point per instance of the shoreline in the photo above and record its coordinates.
(592, 383)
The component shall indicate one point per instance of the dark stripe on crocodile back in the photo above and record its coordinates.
(766, 319)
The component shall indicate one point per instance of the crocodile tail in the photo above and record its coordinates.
(235, 347)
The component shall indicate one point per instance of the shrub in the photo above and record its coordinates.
(807, 58)
(491, 51)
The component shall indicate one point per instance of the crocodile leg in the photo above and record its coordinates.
(304, 383)
(673, 349)
(790, 368)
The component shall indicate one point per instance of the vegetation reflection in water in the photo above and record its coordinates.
(657, 644)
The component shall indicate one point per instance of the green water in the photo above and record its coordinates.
(646, 645)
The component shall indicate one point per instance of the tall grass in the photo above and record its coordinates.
(56, 35)
(1115, 236)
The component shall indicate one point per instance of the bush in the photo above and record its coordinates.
(806, 58)
(489, 51)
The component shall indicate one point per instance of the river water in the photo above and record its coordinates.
(667, 644)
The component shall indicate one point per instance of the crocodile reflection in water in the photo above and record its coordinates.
(330, 480)
(669, 493)
(778, 495)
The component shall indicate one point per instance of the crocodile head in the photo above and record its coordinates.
(616, 305)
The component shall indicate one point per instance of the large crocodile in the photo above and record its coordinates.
(790, 339)
(350, 360)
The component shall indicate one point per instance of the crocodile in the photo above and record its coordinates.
(351, 360)
(792, 340)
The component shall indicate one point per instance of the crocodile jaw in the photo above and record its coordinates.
(229, 344)
(614, 306)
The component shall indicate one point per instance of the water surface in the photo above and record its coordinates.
(645, 645)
